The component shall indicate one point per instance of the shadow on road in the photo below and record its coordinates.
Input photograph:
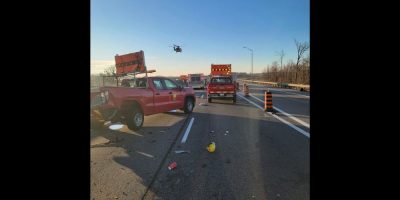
(260, 158)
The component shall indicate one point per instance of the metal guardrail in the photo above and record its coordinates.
(276, 84)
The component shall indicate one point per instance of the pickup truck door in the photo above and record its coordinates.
(176, 95)
(161, 96)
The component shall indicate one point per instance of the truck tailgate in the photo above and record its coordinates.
(221, 88)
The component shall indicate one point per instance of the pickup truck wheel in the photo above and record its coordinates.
(209, 100)
(188, 106)
(134, 119)
(234, 99)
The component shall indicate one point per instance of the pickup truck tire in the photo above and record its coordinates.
(134, 119)
(209, 100)
(234, 99)
(189, 105)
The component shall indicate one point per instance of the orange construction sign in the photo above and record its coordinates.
(129, 63)
(221, 69)
(183, 77)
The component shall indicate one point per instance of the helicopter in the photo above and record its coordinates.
(177, 48)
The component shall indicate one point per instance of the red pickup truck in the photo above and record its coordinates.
(221, 85)
(138, 97)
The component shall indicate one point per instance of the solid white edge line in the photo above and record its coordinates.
(285, 113)
(293, 126)
(280, 119)
(250, 102)
(185, 136)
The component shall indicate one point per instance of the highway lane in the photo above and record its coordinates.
(292, 102)
(124, 162)
(257, 156)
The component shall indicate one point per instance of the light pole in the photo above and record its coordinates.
(251, 50)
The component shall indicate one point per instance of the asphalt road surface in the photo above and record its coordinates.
(258, 155)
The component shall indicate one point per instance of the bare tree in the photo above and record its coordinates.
(274, 69)
(301, 47)
(306, 69)
(281, 54)
(109, 70)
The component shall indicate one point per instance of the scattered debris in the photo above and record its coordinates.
(278, 195)
(107, 123)
(172, 111)
(124, 193)
(162, 131)
(203, 104)
(115, 197)
(225, 134)
(182, 151)
(211, 131)
(116, 126)
(226, 131)
(211, 147)
(172, 166)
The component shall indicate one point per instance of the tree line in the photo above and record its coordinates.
(297, 71)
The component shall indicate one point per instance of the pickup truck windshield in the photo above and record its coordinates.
(221, 80)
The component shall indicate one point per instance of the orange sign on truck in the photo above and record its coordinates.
(128, 63)
(221, 69)
(183, 77)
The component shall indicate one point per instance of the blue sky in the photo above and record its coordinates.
(211, 31)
